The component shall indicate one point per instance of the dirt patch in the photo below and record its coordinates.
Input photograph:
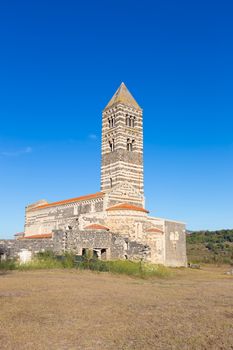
(13, 294)
(85, 310)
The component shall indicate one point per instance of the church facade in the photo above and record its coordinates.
(113, 222)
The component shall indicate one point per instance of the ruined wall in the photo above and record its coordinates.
(13, 247)
(117, 247)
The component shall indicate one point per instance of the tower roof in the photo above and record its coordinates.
(122, 95)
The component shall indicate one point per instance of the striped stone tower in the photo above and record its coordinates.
(122, 142)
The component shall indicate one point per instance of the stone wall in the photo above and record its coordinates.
(114, 246)
(117, 246)
(12, 248)
(175, 244)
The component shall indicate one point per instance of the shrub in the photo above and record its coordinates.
(7, 265)
(48, 254)
(68, 260)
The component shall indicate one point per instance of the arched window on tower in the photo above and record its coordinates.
(110, 182)
(127, 120)
(130, 121)
(129, 145)
(111, 122)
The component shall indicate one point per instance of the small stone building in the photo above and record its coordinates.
(114, 222)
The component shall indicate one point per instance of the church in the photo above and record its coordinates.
(113, 222)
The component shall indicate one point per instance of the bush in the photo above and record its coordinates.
(48, 254)
(7, 265)
(68, 260)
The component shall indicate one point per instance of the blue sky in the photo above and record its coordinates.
(60, 63)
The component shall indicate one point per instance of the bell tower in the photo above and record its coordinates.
(122, 142)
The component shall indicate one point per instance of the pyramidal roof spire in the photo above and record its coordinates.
(122, 95)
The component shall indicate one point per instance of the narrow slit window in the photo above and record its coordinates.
(111, 122)
(112, 145)
(132, 145)
(128, 145)
(130, 121)
(127, 120)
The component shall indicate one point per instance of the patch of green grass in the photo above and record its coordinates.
(7, 265)
(37, 264)
(47, 260)
(127, 267)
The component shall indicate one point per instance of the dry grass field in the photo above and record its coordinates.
(69, 309)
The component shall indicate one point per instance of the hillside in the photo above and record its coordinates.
(210, 246)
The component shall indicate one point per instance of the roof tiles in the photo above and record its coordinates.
(96, 227)
(43, 235)
(127, 206)
(71, 200)
(154, 229)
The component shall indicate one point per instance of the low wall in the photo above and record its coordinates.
(12, 247)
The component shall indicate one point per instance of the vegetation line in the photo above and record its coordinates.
(210, 247)
(48, 260)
